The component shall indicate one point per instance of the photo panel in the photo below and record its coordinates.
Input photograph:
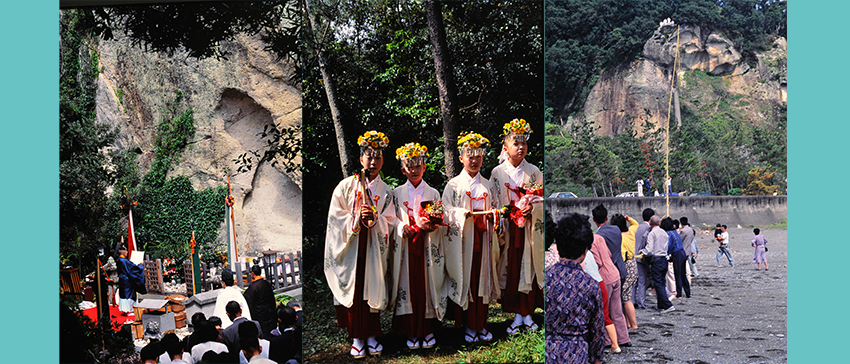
(666, 161)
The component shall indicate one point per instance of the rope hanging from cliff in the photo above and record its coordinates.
(673, 76)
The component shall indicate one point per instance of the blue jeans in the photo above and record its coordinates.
(724, 249)
(657, 272)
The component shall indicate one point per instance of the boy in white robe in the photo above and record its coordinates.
(471, 238)
(521, 262)
(361, 219)
(418, 265)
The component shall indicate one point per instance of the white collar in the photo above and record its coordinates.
(519, 166)
(469, 179)
(417, 189)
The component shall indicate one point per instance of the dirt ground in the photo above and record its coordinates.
(735, 314)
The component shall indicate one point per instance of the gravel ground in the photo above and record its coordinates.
(735, 314)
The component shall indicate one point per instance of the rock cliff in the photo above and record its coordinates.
(233, 100)
(640, 90)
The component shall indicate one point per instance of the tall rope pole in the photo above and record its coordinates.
(673, 77)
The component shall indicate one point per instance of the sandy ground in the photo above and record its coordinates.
(735, 314)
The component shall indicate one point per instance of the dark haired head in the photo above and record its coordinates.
(573, 235)
(293, 304)
(205, 331)
(227, 277)
(683, 220)
(756, 231)
(619, 221)
(256, 270)
(215, 321)
(666, 224)
(675, 224)
(150, 352)
(248, 329)
(198, 317)
(232, 308)
(600, 214)
(647, 214)
(724, 226)
(718, 225)
(287, 316)
(549, 230)
(172, 344)
(250, 344)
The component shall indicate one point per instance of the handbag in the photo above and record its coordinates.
(765, 248)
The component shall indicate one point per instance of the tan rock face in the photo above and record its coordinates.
(233, 99)
(623, 95)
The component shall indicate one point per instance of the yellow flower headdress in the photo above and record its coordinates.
(412, 153)
(519, 128)
(473, 142)
(374, 139)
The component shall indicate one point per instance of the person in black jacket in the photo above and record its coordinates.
(286, 347)
(261, 303)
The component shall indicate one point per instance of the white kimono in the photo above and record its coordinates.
(341, 241)
(436, 301)
(458, 243)
(533, 250)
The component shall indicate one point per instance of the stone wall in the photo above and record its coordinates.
(734, 211)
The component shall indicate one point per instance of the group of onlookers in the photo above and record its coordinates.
(596, 281)
(234, 336)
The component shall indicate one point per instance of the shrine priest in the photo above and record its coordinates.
(519, 184)
(470, 209)
(361, 220)
(418, 264)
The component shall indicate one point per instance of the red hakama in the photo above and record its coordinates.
(360, 321)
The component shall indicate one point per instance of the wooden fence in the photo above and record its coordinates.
(153, 276)
(283, 276)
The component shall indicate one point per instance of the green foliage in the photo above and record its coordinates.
(737, 191)
(199, 30)
(172, 135)
(760, 181)
(168, 215)
(83, 175)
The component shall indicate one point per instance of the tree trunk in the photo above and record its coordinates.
(445, 84)
(333, 102)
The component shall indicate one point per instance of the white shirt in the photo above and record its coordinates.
(725, 238)
(476, 189)
(264, 354)
(230, 293)
(199, 350)
(515, 174)
(415, 195)
(186, 359)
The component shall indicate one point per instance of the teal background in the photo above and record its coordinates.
(818, 130)
(817, 169)
(29, 181)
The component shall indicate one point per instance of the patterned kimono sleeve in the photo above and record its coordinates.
(595, 340)
(341, 228)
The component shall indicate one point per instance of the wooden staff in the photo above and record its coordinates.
(364, 193)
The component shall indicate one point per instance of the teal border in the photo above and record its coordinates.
(30, 178)
(818, 129)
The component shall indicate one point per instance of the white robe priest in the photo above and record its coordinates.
(421, 259)
(521, 263)
(471, 248)
(356, 256)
